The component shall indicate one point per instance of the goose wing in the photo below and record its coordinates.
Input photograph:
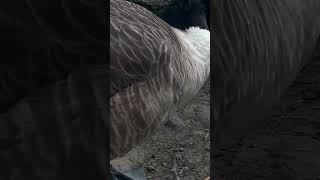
(143, 52)
(138, 40)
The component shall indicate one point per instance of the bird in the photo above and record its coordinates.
(154, 68)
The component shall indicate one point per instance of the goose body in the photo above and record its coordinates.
(154, 68)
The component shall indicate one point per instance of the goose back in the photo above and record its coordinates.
(139, 43)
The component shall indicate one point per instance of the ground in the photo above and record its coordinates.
(287, 146)
(181, 153)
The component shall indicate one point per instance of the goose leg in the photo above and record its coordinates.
(174, 121)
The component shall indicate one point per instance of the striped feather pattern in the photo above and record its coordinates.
(151, 38)
(152, 71)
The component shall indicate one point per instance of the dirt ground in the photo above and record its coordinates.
(177, 153)
(287, 147)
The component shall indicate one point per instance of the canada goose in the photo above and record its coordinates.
(154, 68)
